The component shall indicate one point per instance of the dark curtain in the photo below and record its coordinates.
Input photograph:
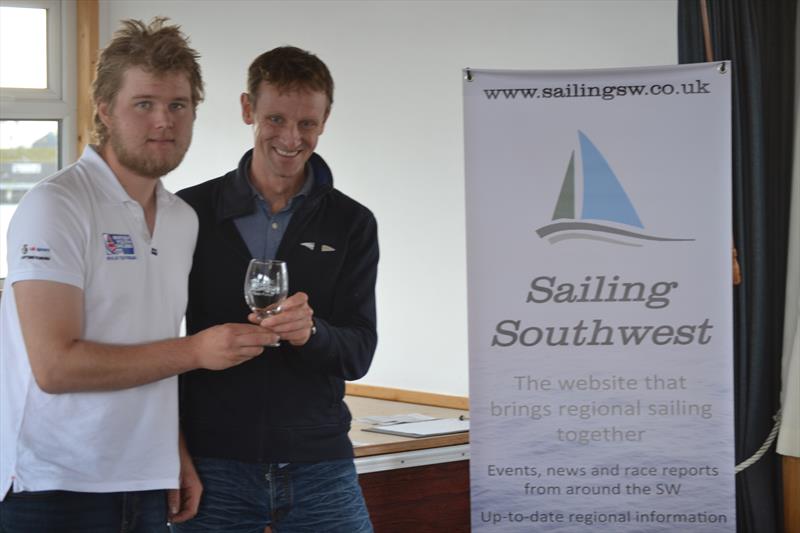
(758, 37)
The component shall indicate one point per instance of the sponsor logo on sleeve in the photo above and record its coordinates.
(33, 252)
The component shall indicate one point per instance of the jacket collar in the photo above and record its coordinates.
(236, 196)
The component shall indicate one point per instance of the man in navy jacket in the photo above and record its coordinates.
(269, 437)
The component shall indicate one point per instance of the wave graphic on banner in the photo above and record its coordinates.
(604, 199)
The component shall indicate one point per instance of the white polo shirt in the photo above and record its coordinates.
(80, 227)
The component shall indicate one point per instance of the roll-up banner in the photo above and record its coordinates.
(600, 312)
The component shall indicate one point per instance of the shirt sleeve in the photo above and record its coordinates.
(47, 237)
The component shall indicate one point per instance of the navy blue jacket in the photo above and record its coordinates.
(285, 405)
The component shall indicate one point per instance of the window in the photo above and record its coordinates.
(23, 28)
(37, 100)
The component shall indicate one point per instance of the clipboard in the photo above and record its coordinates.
(426, 428)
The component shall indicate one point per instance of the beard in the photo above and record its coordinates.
(152, 165)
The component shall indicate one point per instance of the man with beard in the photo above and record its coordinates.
(99, 256)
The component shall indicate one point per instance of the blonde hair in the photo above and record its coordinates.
(156, 48)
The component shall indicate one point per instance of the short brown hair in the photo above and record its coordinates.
(156, 48)
(289, 68)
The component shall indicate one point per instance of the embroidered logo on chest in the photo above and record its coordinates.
(322, 247)
(119, 246)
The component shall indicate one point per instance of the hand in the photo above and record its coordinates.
(182, 503)
(227, 345)
(293, 323)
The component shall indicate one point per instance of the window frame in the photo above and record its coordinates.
(59, 100)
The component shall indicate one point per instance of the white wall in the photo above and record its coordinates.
(394, 139)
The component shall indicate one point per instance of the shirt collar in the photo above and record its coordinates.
(308, 183)
(236, 193)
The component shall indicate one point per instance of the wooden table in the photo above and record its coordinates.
(411, 484)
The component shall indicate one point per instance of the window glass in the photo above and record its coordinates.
(23, 47)
(29, 151)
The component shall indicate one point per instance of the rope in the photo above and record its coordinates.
(764, 447)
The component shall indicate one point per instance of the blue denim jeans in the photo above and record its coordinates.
(58, 511)
(296, 498)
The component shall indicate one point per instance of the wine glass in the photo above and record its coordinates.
(266, 286)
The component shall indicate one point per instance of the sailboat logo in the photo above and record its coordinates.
(607, 215)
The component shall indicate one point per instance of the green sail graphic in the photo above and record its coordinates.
(565, 207)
